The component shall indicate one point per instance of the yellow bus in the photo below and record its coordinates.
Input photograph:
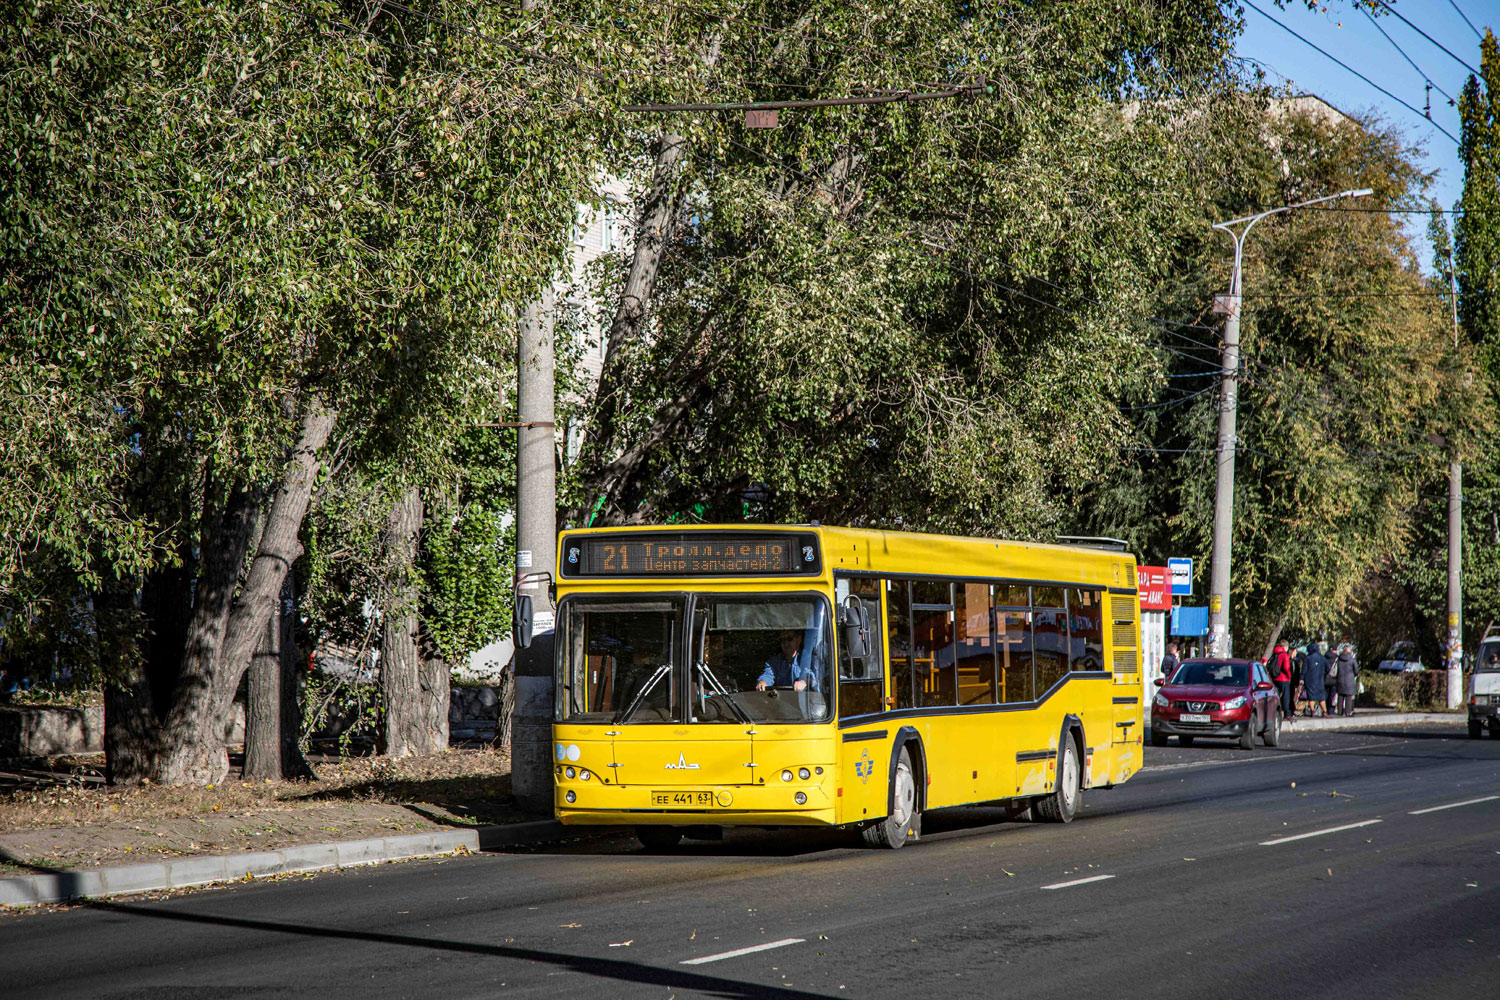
(770, 676)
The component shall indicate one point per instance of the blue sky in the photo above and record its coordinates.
(1349, 35)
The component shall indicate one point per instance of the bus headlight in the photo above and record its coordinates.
(801, 798)
(786, 775)
(803, 773)
(585, 775)
(570, 772)
(571, 796)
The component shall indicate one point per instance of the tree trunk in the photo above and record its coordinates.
(1275, 634)
(407, 728)
(263, 708)
(272, 718)
(437, 687)
(224, 628)
(661, 208)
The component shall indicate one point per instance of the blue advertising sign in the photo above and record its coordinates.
(1181, 571)
(1189, 621)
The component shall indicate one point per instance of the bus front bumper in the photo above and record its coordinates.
(594, 804)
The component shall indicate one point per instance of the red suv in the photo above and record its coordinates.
(1219, 699)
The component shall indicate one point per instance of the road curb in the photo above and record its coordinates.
(59, 887)
(1302, 724)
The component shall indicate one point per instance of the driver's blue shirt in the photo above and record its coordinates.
(781, 672)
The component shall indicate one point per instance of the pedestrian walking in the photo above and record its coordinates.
(1348, 678)
(1330, 680)
(1279, 666)
(1314, 679)
(1171, 661)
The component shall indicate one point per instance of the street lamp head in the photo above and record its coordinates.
(1360, 193)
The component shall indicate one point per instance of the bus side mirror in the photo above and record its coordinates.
(855, 634)
(523, 621)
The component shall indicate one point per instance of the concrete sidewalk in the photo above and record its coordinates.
(61, 886)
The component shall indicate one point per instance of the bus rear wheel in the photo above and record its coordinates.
(658, 838)
(904, 821)
(1062, 805)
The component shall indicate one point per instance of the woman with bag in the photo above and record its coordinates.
(1348, 678)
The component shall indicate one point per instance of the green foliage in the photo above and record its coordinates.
(856, 326)
(1346, 371)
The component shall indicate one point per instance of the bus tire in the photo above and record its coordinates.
(1186, 741)
(658, 838)
(1158, 739)
(1476, 729)
(1062, 805)
(904, 820)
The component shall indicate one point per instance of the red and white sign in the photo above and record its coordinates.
(1155, 586)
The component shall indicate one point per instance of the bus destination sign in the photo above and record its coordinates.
(760, 553)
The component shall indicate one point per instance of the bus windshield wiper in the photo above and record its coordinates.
(661, 671)
(719, 688)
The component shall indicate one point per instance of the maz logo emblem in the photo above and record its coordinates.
(681, 765)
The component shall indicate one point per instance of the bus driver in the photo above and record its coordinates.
(789, 668)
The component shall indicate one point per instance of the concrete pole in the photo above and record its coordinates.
(1455, 541)
(536, 554)
(1220, 642)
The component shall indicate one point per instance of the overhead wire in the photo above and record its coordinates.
(1351, 69)
(1455, 6)
(1420, 72)
(1402, 18)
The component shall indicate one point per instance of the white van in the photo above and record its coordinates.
(1484, 687)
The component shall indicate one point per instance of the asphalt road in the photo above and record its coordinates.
(1351, 864)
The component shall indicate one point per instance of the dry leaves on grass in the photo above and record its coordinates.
(460, 777)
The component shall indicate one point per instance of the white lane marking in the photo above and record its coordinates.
(1078, 881)
(1319, 833)
(742, 951)
(1453, 805)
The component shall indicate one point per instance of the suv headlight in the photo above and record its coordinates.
(1233, 703)
(1160, 700)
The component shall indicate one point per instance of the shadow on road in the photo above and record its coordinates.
(603, 968)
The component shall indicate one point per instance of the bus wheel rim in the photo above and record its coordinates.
(905, 796)
(1070, 776)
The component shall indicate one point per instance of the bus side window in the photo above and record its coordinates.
(898, 624)
(1086, 625)
(861, 683)
(932, 642)
(976, 644)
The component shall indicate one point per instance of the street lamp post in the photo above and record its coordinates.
(1220, 643)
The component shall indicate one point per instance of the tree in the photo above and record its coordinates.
(1347, 367)
(890, 313)
(255, 252)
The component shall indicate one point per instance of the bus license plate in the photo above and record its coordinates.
(1195, 718)
(683, 800)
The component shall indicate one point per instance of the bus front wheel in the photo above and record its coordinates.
(904, 821)
(658, 838)
(1062, 805)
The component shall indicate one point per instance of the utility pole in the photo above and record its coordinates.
(1455, 538)
(536, 554)
(1220, 642)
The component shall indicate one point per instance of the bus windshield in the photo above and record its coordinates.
(749, 658)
